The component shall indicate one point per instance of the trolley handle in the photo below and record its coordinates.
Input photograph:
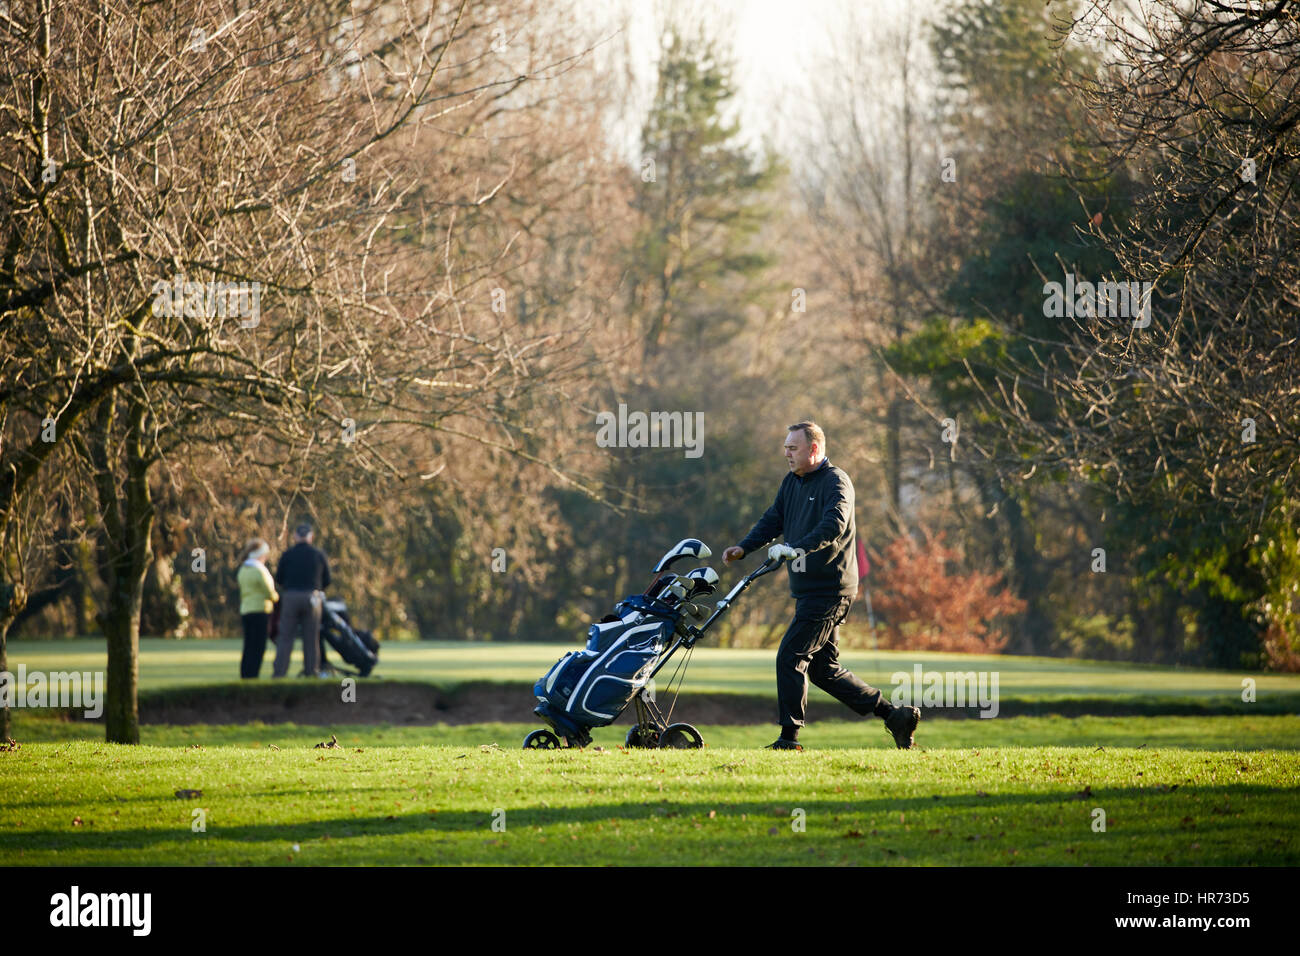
(767, 567)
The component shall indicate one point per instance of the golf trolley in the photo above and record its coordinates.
(626, 650)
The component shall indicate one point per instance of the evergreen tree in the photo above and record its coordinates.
(701, 198)
(694, 273)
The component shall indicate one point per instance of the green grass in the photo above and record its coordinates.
(1263, 732)
(178, 663)
(91, 804)
(1017, 790)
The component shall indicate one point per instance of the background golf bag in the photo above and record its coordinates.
(358, 648)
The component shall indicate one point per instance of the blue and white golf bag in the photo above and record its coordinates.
(591, 687)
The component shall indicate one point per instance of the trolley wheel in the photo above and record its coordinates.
(640, 736)
(681, 737)
(541, 740)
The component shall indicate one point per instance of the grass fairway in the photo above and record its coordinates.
(90, 804)
(169, 664)
(1195, 789)
(1244, 733)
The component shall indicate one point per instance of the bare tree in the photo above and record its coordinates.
(872, 171)
(1189, 397)
(218, 237)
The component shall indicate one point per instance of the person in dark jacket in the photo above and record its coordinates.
(814, 512)
(303, 574)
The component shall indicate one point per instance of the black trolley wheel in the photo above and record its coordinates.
(680, 737)
(642, 736)
(541, 740)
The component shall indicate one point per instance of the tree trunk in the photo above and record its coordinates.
(13, 597)
(1014, 552)
(124, 554)
(4, 666)
(83, 596)
(893, 461)
(1029, 582)
(121, 625)
(164, 611)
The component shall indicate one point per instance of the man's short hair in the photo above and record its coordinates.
(302, 531)
(813, 432)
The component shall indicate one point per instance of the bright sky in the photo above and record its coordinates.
(775, 45)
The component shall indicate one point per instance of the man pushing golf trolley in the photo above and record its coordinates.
(592, 687)
(814, 512)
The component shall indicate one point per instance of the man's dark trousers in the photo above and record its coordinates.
(810, 649)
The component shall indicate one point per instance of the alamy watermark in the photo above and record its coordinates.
(651, 430)
(1122, 300)
(211, 300)
(58, 689)
(75, 908)
(946, 689)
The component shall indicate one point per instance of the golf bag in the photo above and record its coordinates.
(591, 687)
(625, 650)
(358, 648)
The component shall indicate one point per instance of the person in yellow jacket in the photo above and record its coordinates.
(257, 597)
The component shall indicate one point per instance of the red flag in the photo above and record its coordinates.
(864, 566)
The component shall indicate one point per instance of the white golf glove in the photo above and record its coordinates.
(781, 551)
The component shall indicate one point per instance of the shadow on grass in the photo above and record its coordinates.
(1277, 804)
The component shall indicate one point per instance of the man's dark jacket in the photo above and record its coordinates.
(303, 568)
(814, 512)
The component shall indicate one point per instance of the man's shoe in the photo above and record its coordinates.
(902, 725)
(782, 744)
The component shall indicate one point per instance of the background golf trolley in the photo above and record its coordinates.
(625, 650)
